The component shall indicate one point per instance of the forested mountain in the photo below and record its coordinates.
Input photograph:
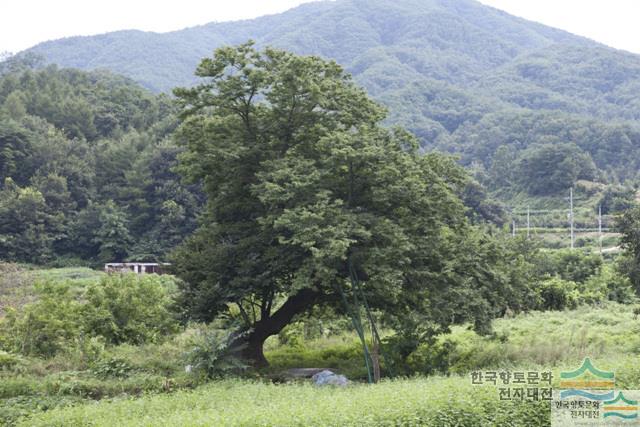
(85, 168)
(464, 77)
(384, 43)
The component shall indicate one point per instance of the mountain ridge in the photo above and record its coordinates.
(377, 24)
(447, 70)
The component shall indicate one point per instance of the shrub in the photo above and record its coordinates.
(432, 358)
(293, 335)
(572, 265)
(609, 285)
(46, 326)
(112, 368)
(557, 294)
(119, 308)
(213, 354)
(126, 308)
(11, 362)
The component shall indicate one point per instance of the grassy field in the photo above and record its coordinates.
(536, 341)
(16, 281)
(609, 334)
(147, 384)
(411, 402)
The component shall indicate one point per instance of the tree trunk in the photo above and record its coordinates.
(252, 344)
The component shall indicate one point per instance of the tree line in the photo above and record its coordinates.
(86, 168)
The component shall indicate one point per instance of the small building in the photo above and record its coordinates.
(136, 267)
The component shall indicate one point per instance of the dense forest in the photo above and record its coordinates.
(86, 168)
(465, 78)
(88, 156)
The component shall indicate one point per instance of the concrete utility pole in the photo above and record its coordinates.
(571, 213)
(528, 223)
(600, 228)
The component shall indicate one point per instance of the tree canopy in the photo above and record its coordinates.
(309, 198)
(85, 168)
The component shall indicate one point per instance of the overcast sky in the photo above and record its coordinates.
(24, 23)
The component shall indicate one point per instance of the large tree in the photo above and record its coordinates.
(309, 199)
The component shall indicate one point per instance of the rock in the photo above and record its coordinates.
(296, 373)
(327, 377)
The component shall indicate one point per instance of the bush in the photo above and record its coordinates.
(126, 308)
(557, 294)
(11, 362)
(213, 354)
(608, 285)
(112, 368)
(293, 335)
(120, 309)
(573, 265)
(433, 358)
(46, 326)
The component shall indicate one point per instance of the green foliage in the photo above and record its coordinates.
(342, 353)
(473, 81)
(14, 409)
(628, 225)
(556, 340)
(85, 169)
(617, 199)
(130, 309)
(551, 168)
(608, 285)
(573, 265)
(439, 401)
(119, 309)
(112, 368)
(557, 294)
(112, 238)
(214, 354)
(27, 229)
(46, 326)
(309, 196)
(10, 362)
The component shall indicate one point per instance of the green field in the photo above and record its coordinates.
(535, 341)
(91, 383)
(437, 401)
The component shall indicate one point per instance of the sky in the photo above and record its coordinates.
(24, 23)
(612, 22)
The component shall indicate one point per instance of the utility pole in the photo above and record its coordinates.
(600, 228)
(528, 223)
(571, 213)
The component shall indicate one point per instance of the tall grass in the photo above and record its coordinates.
(414, 402)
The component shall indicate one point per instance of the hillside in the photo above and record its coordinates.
(464, 77)
(383, 43)
(85, 169)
